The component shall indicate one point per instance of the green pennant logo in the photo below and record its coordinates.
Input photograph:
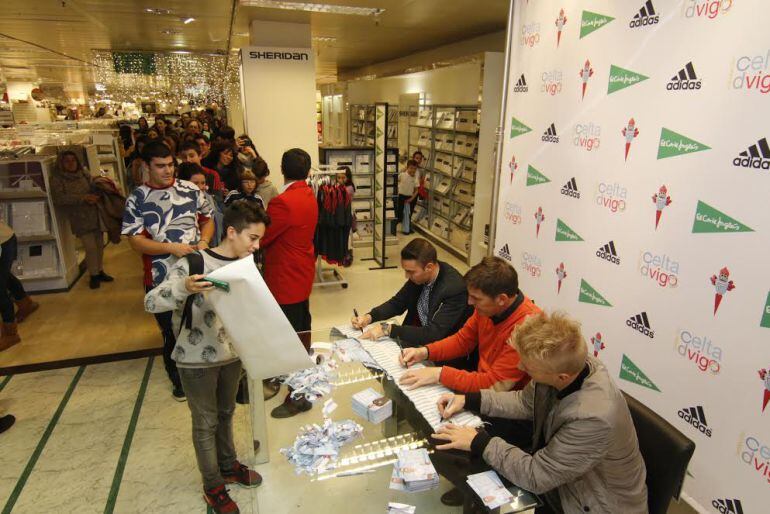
(766, 314)
(534, 177)
(564, 233)
(709, 219)
(631, 372)
(590, 295)
(673, 144)
(518, 128)
(592, 21)
(621, 78)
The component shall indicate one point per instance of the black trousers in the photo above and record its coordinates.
(10, 286)
(298, 315)
(169, 341)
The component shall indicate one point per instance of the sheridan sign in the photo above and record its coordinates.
(281, 56)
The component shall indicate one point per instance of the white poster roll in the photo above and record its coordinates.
(262, 336)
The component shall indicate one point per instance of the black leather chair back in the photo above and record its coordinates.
(666, 453)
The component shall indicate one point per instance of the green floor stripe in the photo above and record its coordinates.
(41, 444)
(118, 478)
(5, 381)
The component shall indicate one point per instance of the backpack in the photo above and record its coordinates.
(195, 263)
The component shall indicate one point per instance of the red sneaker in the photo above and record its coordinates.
(220, 501)
(242, 475)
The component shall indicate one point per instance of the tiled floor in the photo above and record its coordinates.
(109, 438)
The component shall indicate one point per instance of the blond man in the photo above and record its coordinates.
(585, 451)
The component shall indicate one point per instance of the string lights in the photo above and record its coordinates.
(173, 78)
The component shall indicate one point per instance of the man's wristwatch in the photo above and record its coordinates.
(385, 328)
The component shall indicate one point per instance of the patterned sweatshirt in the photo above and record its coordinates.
(206, 344)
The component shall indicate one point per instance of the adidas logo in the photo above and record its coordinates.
(645, 16)
(608, 253)
(571, 189)
(641, 324)
(505, 253)
(549, 136)
(521, 86)
(728, 506)
(697, 418)
(684, 80)
(751, 157)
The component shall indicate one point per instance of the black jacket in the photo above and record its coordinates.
(448, 309)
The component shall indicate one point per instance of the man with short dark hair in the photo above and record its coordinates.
(493, 290)
(434, 298)
(289, 265)
(204, 143)
(166, 219)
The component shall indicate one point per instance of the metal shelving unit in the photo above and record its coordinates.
(361, 126)
(448, 136)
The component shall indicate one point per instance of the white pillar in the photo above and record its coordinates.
(278, 91)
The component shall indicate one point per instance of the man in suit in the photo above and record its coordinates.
(434, 297)
(289, 265)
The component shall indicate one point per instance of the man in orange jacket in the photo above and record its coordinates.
(493, 290)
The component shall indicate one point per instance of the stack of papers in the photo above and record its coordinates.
(414, 472)
(316, 448)
(400, 508)
(312, 383)
(425, 399)
(372, 406)
(490, 489)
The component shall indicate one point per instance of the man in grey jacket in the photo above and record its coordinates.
(585, 451)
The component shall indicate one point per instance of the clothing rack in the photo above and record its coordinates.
(325, 170)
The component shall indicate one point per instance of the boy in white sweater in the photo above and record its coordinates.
(208, 365)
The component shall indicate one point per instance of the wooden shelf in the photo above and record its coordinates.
(36, 238)
(22, 195)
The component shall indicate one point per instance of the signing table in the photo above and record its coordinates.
(361, 479)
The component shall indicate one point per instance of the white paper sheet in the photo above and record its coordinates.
(262, 336)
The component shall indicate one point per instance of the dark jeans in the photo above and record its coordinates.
(8, 282)
(402, 199)
(211, 398)
(169, 341)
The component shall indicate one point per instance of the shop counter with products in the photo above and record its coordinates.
(335, 456)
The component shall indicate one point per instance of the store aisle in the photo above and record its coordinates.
(85, 322)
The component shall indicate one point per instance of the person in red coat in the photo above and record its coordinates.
(289, 255)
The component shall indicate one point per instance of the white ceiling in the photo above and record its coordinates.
(52, 41)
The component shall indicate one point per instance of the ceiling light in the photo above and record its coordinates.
(169, 32)
(324, 39)
(180, 52)
(188, 20)
(311, 7)
(160, 12)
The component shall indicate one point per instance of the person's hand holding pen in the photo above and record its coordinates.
(411, 356)
(360, 322)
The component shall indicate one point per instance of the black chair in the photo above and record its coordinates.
(666, 453)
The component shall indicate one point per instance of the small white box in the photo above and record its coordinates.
(37, 260)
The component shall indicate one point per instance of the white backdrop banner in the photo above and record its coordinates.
(634, 195)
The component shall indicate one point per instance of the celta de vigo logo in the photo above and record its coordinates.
(512, 213)
(752, 72)
(532, 264)
(612, 197)
(700, 350)
(530, 34)
(551, 82)
(588, 136)
(756, 454)
(660, 268)
(706, 8)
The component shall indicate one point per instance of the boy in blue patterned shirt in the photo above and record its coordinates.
(166, 219)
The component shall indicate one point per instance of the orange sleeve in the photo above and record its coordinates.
(457, 345)
(504, 367)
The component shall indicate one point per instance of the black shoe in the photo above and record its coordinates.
(104, 277)
(452, 498)
(95, 282)
(6, 422)
(291, 408)
(270, 388)
(179, 394)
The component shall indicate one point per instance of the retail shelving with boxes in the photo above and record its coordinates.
(361, 163)
(448, 137)
(362, 126)
(47, 257)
